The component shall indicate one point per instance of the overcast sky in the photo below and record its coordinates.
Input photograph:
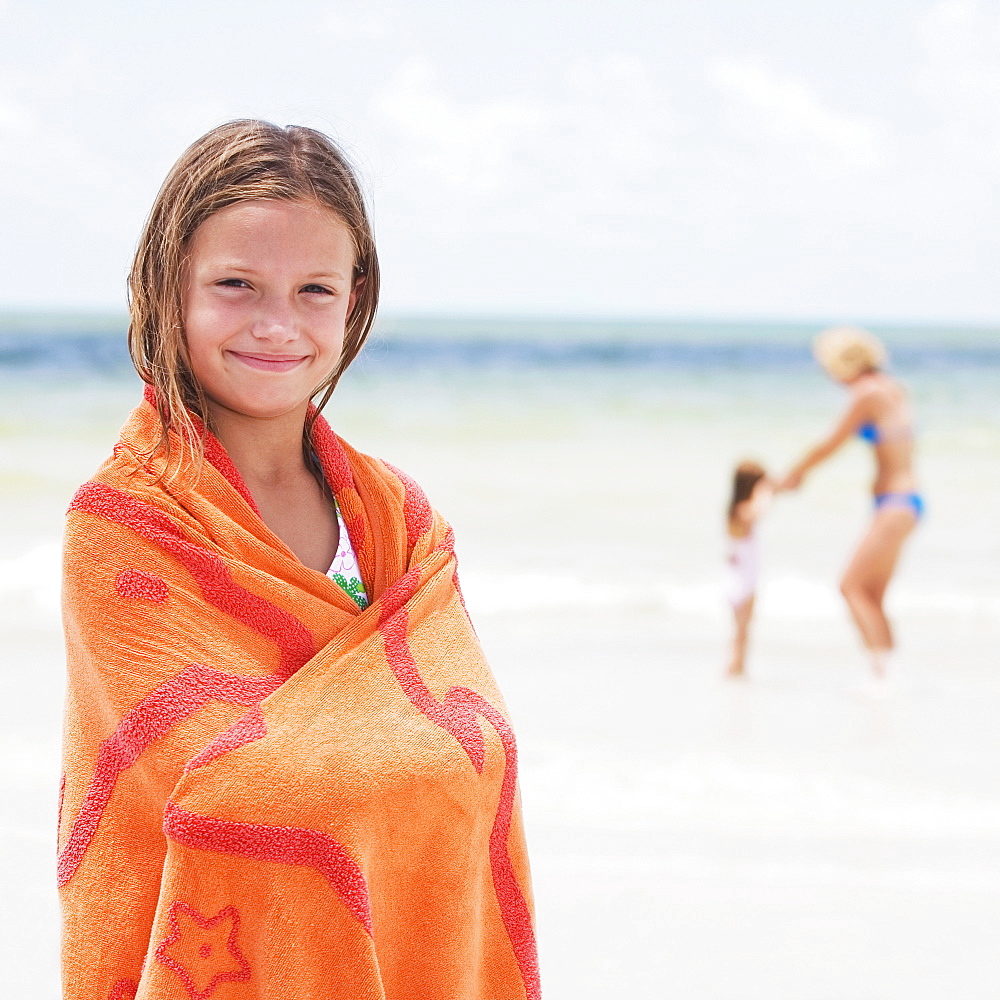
(832, 160)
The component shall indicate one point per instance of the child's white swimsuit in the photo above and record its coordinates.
(344, 569)
(742, 569)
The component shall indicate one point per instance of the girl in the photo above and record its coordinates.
(751, 497)
(879, 412)
(289, 772)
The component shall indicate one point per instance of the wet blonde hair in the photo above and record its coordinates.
(245, 160)
(845, 352)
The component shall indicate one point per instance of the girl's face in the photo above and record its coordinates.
(268, 289)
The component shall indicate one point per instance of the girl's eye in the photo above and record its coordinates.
(317, 290)
(232, 283)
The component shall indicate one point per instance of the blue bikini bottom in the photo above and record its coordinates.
(912, 500)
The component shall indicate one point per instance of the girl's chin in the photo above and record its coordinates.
(261, 410)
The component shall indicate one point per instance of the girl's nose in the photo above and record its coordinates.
(274, 322)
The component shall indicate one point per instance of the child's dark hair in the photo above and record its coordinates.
(747, 475)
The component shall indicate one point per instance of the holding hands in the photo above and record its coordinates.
(790, 481)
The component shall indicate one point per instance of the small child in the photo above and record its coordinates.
(752, 491)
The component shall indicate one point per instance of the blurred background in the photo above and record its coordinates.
(608, 235)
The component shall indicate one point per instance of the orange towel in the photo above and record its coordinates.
(269, 792)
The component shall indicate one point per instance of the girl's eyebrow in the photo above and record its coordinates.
(242, 268)
(328, 274)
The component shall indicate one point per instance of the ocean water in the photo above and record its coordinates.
(784, 837)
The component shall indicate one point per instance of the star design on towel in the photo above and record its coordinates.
(202, 950)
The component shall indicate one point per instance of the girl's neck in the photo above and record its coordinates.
(264, 452)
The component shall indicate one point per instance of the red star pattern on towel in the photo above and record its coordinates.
(203, 950)
(124, 989)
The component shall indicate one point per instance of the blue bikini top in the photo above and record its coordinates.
(869, 432)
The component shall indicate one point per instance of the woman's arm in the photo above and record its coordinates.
(846, 427)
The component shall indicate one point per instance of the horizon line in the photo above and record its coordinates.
(16, 312)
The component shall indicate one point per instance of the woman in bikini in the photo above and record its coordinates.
(879, 413)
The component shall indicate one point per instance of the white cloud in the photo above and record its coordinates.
(601, 161)
(608, 130)
(466, 144)
(356, 27)
(596, 146)
(94, 187)
(13, 117)
(786, 109)
(960, 78)
(618, 118)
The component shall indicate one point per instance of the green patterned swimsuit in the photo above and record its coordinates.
(344, 569)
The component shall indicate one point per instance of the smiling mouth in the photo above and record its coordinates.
(270, 362)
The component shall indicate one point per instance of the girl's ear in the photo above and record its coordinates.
(359, 283)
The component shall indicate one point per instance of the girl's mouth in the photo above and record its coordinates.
(270, 362)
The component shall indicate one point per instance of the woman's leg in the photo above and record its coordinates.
(868, 574)
(742, 614)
